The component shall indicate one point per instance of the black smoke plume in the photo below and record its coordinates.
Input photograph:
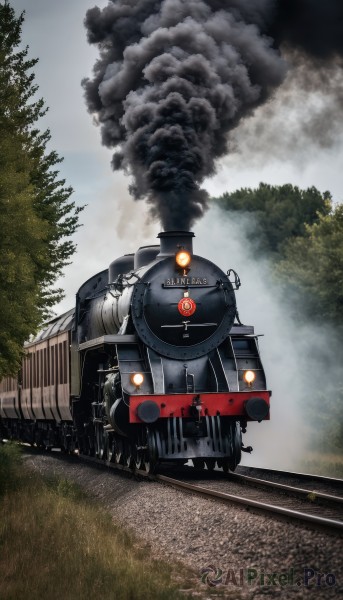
(174, 77)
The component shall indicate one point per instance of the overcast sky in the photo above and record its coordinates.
(112, 223)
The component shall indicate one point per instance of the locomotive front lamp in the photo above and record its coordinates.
(183, 259)
(137, 379)
(249, 377)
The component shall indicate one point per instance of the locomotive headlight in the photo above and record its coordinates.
(249, 377)
(183, 259)
(137, 379)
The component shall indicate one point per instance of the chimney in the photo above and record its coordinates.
(172, 241)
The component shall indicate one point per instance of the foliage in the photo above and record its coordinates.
(10, 464)
(280, 212)
(312, 267)
(36, 215)
(57, 543)
(312, 272)
(321, 463)
(302, 234)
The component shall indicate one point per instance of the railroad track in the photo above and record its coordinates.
(313, 495)
(306, 479)
(309, 506)
(257, 494)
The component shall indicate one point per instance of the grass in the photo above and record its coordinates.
(329, 465)
(56, 543)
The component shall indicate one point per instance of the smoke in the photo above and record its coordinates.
(299, 359)
(172, 79)
(313, 27)
(304, 117)
(175, 79)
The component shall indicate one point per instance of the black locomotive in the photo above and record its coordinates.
(152, 366)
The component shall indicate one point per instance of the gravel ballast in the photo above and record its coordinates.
(241, 554)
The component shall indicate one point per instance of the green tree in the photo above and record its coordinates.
(312, 267)
(36, 214)
(280, 212)
(312, 273)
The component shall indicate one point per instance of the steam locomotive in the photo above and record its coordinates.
(152, 366)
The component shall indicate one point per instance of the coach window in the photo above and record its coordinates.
(52, 364)
(34, 370)
(45, 354)
(65, 362)
(44, 374)
(60, 363)
(39, 370)
(27, 371)
(56, 364)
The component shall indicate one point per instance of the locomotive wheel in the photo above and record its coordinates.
(90, 451)
(99, 441)
(90, 440)
(106, 445)
(138, 459)
(110, 447)
(82, 443)
(149, 465)
(224, 464)
(235, 459)
(210, 463)
(119, 452)
(231, 462)
(85, 449)
(137, 455)
(128, 458)
(150, 454)
(198, 463)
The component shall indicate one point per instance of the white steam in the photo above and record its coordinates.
(295, 359)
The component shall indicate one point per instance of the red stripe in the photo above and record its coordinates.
(179, 405)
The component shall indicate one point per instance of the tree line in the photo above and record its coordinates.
(301, 232)
(37, 216)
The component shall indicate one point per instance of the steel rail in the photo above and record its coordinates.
(248, 503)
(306, 476)
(311, 495)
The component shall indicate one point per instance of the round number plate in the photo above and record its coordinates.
(187, 307)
